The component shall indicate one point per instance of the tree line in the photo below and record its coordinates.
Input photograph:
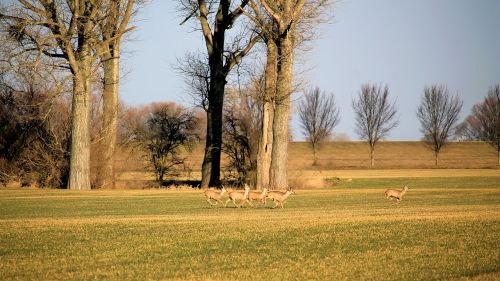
(59, 55)
(376, 115)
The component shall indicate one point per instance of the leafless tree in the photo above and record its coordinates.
(438, 113)
(75, 34)
(283, 25)
(115, 16)
(215, 18)
(484, 121)
(239, 138)
(34, 121)
(195, 71)
(375, 115)
(318, 115)
(64, 30)
(168, 129)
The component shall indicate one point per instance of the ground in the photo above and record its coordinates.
(445, 228)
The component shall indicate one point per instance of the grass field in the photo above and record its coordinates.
(342, 159)
(444, 229)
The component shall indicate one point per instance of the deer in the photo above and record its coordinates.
(394, 193)
(259, 196)
(279, 197)
(216, 195)
(242, 196)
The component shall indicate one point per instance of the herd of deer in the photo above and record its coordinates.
(278, 197)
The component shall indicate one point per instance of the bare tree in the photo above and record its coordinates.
(484, 121)
(268, 30)
(318, 115)
(438, 113)
(114, 24)
(215, 19)
(34, 121)
(239, 140)
(283, 25)
(167, 130)
(375, 115)
(75, 34)
(64, 30)
(194, 69)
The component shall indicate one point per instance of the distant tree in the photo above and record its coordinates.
(375, 115)
(237, 146)
(484, 121)
(438, 114)
(318, 115)
(168, 130)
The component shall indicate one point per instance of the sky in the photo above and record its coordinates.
(405, 44)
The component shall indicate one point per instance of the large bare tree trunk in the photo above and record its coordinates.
(279, 159)
(106, 165)
(113, 27)
(79, 177)
(266, 134)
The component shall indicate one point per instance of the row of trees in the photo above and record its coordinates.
(77, 41)
(84, 37)
(376, 116)
(281, 27)
(77, 44)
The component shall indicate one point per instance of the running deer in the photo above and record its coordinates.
(259, 196)
(216, 195)
(394, 193)
(241, 196)
(279, 197)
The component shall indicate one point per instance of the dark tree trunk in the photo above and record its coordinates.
(213, 144)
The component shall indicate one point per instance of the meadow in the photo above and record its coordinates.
(344, 159)
(446, 228)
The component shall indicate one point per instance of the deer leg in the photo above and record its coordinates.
(242, 201)
(234, 202)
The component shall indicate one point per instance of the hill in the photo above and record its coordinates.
(341, 159)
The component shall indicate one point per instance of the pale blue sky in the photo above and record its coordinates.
(406, 44)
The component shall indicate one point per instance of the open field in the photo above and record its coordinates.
(392, 154)
(345, 160)
(445, 228)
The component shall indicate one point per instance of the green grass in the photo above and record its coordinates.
(443, 229)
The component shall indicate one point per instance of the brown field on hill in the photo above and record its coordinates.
(392, 155)
(340, 159)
